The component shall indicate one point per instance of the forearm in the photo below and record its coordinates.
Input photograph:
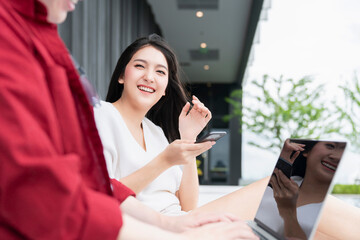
(134, 229)
(331, 228)
(292, 227)
(189, 188)
(138, 210)
(141, 178)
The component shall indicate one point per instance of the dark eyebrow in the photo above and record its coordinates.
(338, 144)
(158, 65)
(341, 144)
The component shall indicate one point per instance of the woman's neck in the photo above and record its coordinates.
(133, 118)
(312, 191)
(132, 115)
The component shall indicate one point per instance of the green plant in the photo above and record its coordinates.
(351, 112)
(346, 189)
(282, 108)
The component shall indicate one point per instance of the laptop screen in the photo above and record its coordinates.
(298, 186)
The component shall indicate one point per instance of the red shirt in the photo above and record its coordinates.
(53, 179)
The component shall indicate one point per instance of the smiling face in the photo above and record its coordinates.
(145, 78)
(323, 159)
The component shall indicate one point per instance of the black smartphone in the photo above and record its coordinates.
(284, 166)
(211, 136)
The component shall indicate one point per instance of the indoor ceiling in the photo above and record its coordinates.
(223, 28)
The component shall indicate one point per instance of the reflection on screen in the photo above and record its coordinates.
(300, 181)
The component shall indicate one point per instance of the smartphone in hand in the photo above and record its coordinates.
(211, 136)
(284, 166)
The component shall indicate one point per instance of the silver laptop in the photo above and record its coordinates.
(293, 199)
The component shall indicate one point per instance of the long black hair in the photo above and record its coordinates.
(299, 165)
(165, 113)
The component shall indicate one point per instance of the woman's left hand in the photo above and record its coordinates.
(191, 124)
(289, 148)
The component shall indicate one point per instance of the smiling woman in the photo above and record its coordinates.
(322, 161)
(145, 82)
(292, 203)
(147, 72)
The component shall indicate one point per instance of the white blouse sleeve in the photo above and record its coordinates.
(105, 133)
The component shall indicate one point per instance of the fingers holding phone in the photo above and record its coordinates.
(181, 152)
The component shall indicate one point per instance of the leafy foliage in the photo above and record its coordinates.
(283, 108)
(351, 112)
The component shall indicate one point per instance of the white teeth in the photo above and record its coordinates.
(146, 89)
(328, 166)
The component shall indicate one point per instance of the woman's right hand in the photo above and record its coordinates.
(286, 192)
(182, 152)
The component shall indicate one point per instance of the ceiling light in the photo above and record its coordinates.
(199, 14)
(206, 67)
(203, 45)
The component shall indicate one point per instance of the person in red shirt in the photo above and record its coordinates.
(53, 179)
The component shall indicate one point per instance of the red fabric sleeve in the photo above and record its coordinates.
(44, 193)
(121, 192)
